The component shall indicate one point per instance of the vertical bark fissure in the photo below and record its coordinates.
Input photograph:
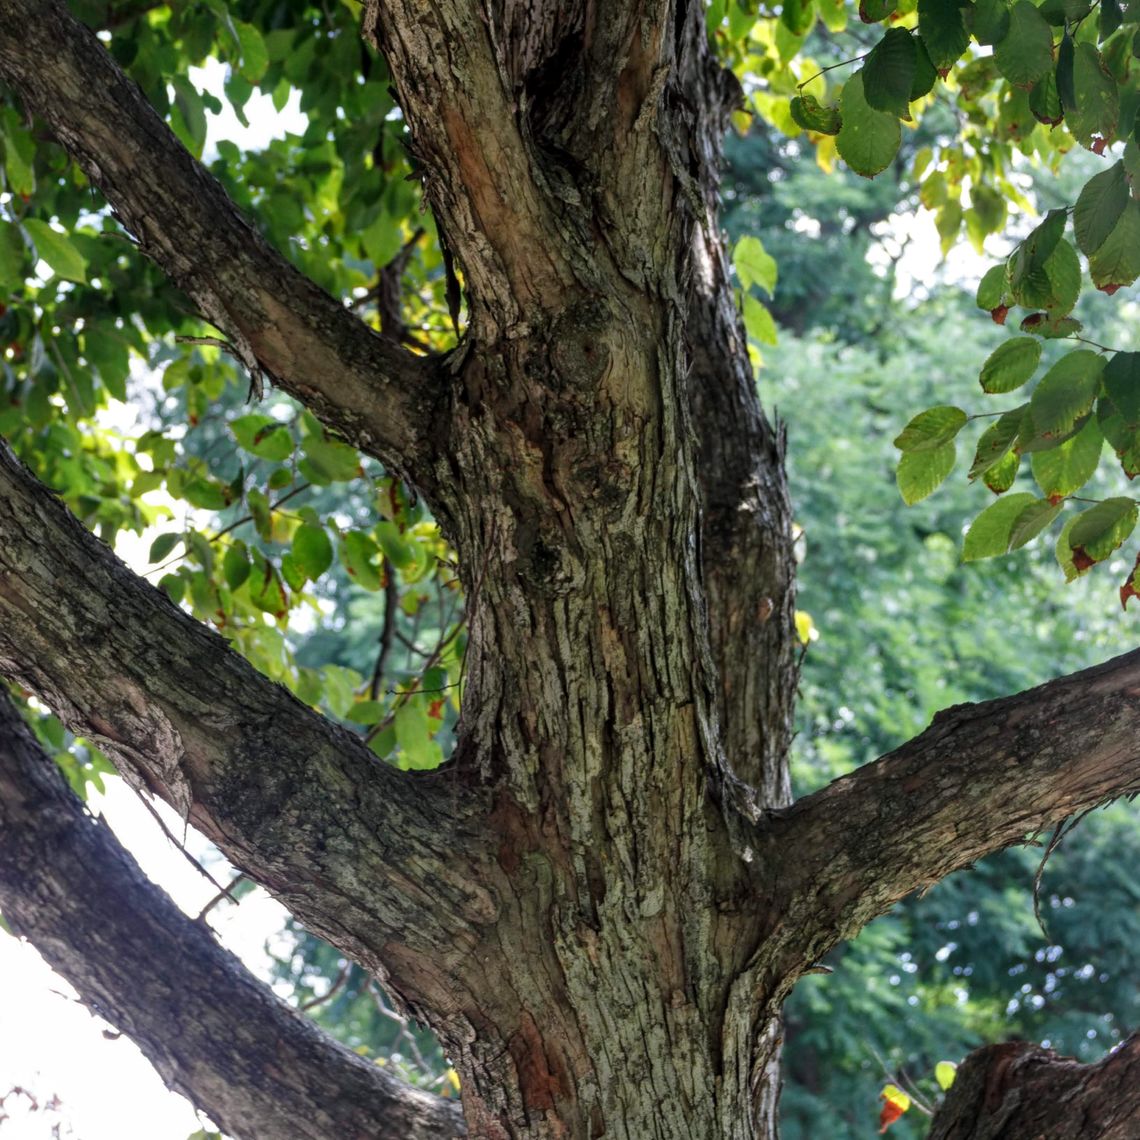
(568, 483)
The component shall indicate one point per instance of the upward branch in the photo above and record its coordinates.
(980, 778)
(297, 802)
(377, 394)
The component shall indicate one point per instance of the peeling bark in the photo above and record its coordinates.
(259, 1068)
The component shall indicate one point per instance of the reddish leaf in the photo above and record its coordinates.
(999, 314)
(889, 1113)
(1128, 590)
(1081, 560)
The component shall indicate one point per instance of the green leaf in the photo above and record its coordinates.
(1045, 100)
(1064, 553)
(999, 478)
(235, 564)
(360, 555)
(263, 436)
(1031, 521)
(57, 250)
(1122, 385)
(1066, 63)
(107, 351)
(925, 75)
(1066, 469)
(808, 113)
(993, 288)
(1032, 254)
(328, 460)
(758, 321)
(162, 547)
(872, 11)
(1025, 53)
(943, 30)
(1010, 364)
(754, 264)
(254, 54)
(920, 473)
(868, 140)
(1111, 18)
(395, 548)
(1097, 106)
(312, 550)
(1099, 207)
(1100, 530)
(798, 16)
(1117, 261)
(1055, 285)
(991, 20)
(1066, 392)
(989, 533)
(1122, 436)
(367, 712)
(13, 257)
(889, 72)
(931, 429)
(995, 442)
(266, 590)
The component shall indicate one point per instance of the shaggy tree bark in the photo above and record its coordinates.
(617, 804)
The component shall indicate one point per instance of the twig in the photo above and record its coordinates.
(388, 629)
(341, 978)
(224, 893)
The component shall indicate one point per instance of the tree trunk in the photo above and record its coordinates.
(602, 900)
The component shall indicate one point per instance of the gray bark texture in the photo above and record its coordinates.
(602, 900)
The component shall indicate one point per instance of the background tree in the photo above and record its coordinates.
(591, 446)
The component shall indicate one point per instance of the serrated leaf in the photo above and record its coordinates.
(1031, 521)
(1066, 60)
(993, 288)
(942, 26)
(798, 16)
(1025, 52)
(807, 112)
(57, 250)
(920, 473)
(1122, 385)
(1055, 285)
(990, 532)
(1045, 100)
(1010, 364)
(868, 140)
(754, 264)
(925, 75)
(1122, 437)
(1100, 530)
(999, 478)
(1036, 249)
(872, 11)
(995, 442)
(889, 72)
(1099, 207)
(931, 428)
(312, 550)
(1117, 261)
(1097, 107)
(1066, 393)
(1064, 470)
(1064, 553)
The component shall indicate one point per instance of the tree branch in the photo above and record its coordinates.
(213, 1032)
(377, 394)
(980, 778)
(297, 802)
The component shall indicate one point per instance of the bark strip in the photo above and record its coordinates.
(378, 395)
(980, 778)
(370, 858)
(214, 1032)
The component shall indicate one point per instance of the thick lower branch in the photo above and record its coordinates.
(371, 858)
(378, 395)
(980, 778)
(214, 1033)
(1017, 1091)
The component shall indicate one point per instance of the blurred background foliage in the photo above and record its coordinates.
(326, 572)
